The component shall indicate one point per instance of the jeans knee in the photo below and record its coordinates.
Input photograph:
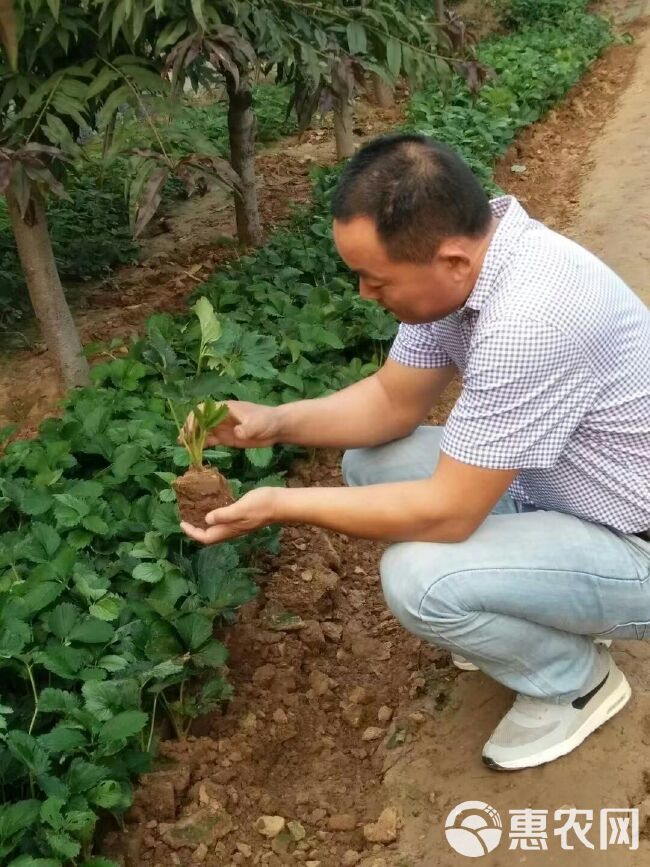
(353, 464)
(418, 588)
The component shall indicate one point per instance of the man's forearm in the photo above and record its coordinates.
(359, 415)
(401, 511)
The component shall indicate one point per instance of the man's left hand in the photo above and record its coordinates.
(254, 510)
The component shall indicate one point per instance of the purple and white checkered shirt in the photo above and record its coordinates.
(554, 350)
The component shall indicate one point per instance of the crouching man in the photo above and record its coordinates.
(520, 530)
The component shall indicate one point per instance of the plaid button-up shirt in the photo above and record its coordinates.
(554, 351)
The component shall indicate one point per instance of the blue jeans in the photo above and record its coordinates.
(521, 597)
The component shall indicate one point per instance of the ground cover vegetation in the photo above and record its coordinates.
(109, 619)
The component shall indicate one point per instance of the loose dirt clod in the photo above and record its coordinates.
(199, 492)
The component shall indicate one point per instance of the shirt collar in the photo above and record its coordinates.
(513, 221)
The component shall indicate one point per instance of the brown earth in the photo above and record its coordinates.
(199, 492)
(348, 740)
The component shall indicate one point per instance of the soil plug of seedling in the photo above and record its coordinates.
(201, 489)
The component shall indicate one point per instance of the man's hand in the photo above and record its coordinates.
(446, 507)
(254, 510)
(247, 426)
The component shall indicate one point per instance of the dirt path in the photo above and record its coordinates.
(607, 209)
(613, 217)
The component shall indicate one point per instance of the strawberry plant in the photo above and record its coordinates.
(201, 488)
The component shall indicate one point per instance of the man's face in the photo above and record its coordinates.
(412, 292)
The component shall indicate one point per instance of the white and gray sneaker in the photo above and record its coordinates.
(536, 731)
(465, 665)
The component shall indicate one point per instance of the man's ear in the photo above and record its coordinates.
(456, 258)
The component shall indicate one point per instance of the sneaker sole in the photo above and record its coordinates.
(617, 701)
(463, 664)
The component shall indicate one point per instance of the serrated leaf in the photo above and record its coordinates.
(108, 607)
(62, 619)
(62, 739)
(28, 751)
(194, 629)
(77, 505)
(57, 701)
(63, 661)
(35, 503)
(152, 548)
(93, 630)
(163, 670)
(260, 457)
(107, 794)
(103, 699)
(213, 655)
(96, 525)
(111, 662)
(63, 844)
(125, 458)
(150, 573)
(18, 817)
(89, 584)
(13, 639)
(47, 537)
(84, 775)
(41, 595)
(210, 326)
(123, 726)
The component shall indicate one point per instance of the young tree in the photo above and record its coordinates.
(56, 76)
(67, 67)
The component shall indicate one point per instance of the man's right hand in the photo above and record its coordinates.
(247, 426)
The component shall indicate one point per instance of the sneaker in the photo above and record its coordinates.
(536, 731)
(466, 665)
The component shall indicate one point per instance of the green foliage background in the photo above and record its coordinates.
(90, 231)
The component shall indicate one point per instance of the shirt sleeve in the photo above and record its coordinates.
(526, 388)
(418, 346)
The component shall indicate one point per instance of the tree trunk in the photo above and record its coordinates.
(342, 85)
(241, 132)
(440, 11)
(382, 91)
(45, 290)
(343, 120)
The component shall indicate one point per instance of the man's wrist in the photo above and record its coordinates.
(282, 431)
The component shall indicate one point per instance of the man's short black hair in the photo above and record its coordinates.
(416, 190)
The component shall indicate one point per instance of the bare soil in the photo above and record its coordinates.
(199, 492)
